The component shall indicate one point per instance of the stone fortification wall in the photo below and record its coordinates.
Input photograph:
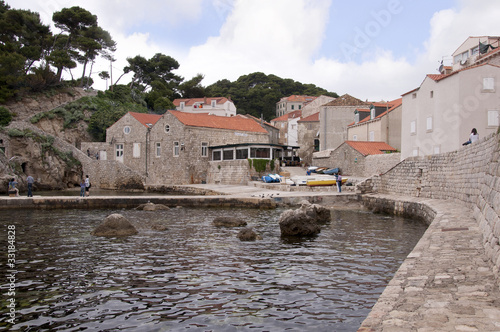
(469, 176)
(228, 172)
(380, 163)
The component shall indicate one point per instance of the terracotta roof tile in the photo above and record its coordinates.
(369, 148)
(291, 115)
(145, 118)
(311, 118)
(218, 122)
(298, 98)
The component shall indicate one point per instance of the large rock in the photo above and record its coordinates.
(298, 223)
(228, 222)
(304, 221)
(115, 225)
(319, 213)
(248, 234)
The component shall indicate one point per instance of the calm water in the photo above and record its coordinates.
(196, 277)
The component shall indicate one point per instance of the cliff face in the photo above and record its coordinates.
(30, 150)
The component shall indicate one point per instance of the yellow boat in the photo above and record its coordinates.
(323, 182)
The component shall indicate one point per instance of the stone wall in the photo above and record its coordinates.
(470, 176)
(380, 163)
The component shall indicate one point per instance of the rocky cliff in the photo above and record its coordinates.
(29, 150)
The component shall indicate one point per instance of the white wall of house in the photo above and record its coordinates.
(439, 116)
(293, 131)
(211, 106)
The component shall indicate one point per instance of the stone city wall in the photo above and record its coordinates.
(380, 163)
(469, 176)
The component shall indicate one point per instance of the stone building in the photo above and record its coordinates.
(292, 103)
(354, 158)
(308, 137)
(274, 133)
(221, 106)
(334, 118)
(381, 123)
(286, 130)
(315, 105)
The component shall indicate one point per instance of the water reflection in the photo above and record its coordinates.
(199, 277)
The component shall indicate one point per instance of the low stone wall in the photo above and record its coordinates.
(469, 176)
(380, 163)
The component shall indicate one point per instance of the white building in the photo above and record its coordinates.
(220, 106)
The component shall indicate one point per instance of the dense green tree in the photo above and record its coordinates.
(192, 88)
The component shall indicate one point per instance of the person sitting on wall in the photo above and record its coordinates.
(12, 187)
(474, 137)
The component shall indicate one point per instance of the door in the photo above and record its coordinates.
(119, 152)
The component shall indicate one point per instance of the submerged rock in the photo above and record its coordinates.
(228, 222)
(115, 225)
(248, 234)
(152, 207)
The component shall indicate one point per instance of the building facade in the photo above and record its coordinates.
(438, 116)
(291, 104)
(282, 124)
(308, 137)
(220, 106)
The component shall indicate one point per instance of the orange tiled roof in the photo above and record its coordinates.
(218, 122)
(369, 148)
(311, 118)
(145, 118)
(192, 101)
(291, 115)
(392, 106)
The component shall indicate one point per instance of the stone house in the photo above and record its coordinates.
(292, 103)
(308, 137)
(315, 105)
(221, 106)
(180, 144)
(439, 115)
(334, 118)
(286, 130)
(380, 123)
(358, 158)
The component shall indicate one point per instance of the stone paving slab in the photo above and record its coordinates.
(445, 284)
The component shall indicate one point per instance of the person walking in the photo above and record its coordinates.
(30, 181)
(87, 185)
(12, 187)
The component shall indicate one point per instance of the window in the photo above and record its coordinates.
(300, 107)
(437, 149)
(293, 107)
(262, 153)
(176, 149)
(182, 105)
(204, 149)
(493, 120)
(136, 151)
(158, 149)
(214, 103)
(414, 95)
(372, 113)
(167, 128)
(432, 94)
(242, 153)
(126, 130)
(316, 144)
(415, 152)
(488, 84)
(228, 154)
(429, 124)
(372, 136)
(216, 155)
(354, 137)
(413, 127)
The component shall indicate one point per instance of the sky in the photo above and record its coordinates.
(371, 49)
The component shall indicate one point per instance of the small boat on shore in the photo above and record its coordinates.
(324, 182)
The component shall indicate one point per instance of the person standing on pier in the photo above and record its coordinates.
(30, 181)
(87, 185)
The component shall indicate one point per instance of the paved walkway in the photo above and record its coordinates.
(446, 282)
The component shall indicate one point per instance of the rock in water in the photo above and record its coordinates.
(248, 234)
(228, 222)
(152, 207)
(298, 223)
(114, 225)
